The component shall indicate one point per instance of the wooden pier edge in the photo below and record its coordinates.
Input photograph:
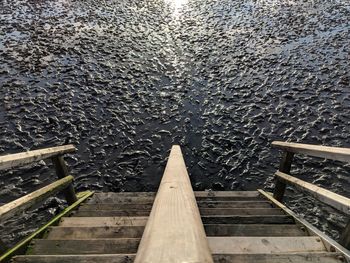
(174, 231)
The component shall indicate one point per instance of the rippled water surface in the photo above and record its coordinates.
(123, 80)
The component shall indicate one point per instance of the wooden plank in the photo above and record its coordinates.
(285, 165)
(264, 245)
(315, 257)
(330, 244)
(148, 198)
(174, 231)
(21, 204)
(141, 221)
(332, 199)
(80, 247)
(300, 257)
(254, 230)
(203, 212)
(201, 204)
(20, 159)
(333, 153)
(61, 172)
(112, 258)
(104, 221)
(256, 219)
(95, 232)
(22, 245)
(218, 245)
(211, 230)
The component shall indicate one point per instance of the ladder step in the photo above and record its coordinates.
(141, 221)
(265, 245)
(203, 211)
(145, 197)
(314, 257)
(137, 231)
(218, 245)
(201, 204)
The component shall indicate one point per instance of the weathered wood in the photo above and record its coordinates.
(329, 243)
(300, 257)
(218, 245)
(201, 204)
(345, 237)
(95, 232)
(87, 246)
(263, 219)
(315, 257)
(104, 221)
(21, 204)
(20, 159)
(285, 166)
(136, 231)
(21, 246)
(141, 221)
(111, 258)
(254, 230)
(148, 198)
(333, 153)
(61, 172)
(264, 245)
(332, 199)
(174, 231)
(203, 212)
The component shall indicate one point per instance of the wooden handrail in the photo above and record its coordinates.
(174, 231)
(333, 153)
(23, 203)
(20, 159)
(339, 202)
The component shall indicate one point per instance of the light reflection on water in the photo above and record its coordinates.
(176, 5)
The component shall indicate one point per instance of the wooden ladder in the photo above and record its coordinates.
(179, 225)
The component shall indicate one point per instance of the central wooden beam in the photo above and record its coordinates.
(174, 231)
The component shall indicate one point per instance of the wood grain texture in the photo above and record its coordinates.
(201, 204)
(264, 245)
(333, 153)
(210, 230)
(20, 159)
(21, 204)
(315, 257)
(104, 221)
(174, 231)
(337, 201)
(203, 212)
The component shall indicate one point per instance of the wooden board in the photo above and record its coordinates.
(333, 153)
(317, 257)
(211, 230)
(20, 159)
(95, 232)
(218, 245)
(263, 219)
(203, 212)
(174, 231)
(23, 203)
(104, 221)
(254, 230)
(201, 204)
(337, 201)
(87, 246)
(264, 245)
(141, 221)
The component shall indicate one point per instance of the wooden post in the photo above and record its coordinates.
(174, 231)
(285, 166)
(345, 237)
(61, 172)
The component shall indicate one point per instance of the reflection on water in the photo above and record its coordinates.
(176, 6)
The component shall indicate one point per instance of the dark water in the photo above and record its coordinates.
(123, 80)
